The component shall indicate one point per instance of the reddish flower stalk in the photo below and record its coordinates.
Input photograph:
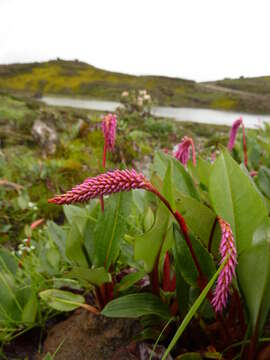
(169, 282)
(183, 153)
(108, 126)
(226, 248)
(233, 133)
(117, 181)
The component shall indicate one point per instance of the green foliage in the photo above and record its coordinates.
(136, 305)
(233, 194)
(61, 300)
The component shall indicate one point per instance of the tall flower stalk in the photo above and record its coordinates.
(228, 253)
(182, 152)
(233, 133)
(118, 181)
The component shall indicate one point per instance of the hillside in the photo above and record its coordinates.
(75, 78)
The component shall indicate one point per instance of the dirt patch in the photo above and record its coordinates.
(84, 336)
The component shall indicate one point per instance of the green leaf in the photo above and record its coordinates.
(110, 229)
(53, 257)
(199, 218)
(232, 195)
(189, 356)
(193, 311)
(76, 214)
(147, 246)
(264, 180)
(74, 247)
(8, 262)
(148, 219)
(58, 235)
(95, 276)
(136, 305)
(61, 300)
(254, 276)
(30, 310)
(129, 280)
(184, 260)
(182, 181)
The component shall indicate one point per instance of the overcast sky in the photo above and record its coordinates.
(194, 39)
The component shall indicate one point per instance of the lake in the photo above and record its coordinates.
(205, 116)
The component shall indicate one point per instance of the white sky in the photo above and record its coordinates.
(194, 39)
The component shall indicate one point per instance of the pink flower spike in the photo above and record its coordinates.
(104, 184)
(227, 247)
(108, 126)
(233, 133)
(182, 153)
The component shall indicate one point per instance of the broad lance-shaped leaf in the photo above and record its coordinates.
(264, 180)
(61, 300)
(181, 179)
(110, 229)
(75, 246)
(136, 305)
(199, 218)
(184, 261)
(95, 276)
(236, 200)
(147, 246)
(254, 276)
(129, 280)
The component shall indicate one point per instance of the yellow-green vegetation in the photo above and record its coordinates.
(255, 85)
(74, 78)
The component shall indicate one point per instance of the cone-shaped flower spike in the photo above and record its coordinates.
(104, 184)
(227, 251)
(108, 126)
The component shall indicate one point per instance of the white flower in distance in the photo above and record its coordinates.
(124, 94)
(142, 92)
(147, 97)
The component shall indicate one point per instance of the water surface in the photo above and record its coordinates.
(205, 116)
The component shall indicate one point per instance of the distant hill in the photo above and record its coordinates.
(75, 78)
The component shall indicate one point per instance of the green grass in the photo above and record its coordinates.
(257, 85)
(74, 78)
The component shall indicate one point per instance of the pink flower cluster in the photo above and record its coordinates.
(108, 126)
(227, 247)
(183, 153)
(233, 132)
(104, 184)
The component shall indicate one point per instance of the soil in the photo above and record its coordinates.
(84, 336)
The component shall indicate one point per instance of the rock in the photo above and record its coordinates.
(46, 136)
(84, 336)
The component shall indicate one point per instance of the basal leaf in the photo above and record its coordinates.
(254, 276)
(235, 199)
(61, 300)
(136, 305)
(95, 276)
(110, 229)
